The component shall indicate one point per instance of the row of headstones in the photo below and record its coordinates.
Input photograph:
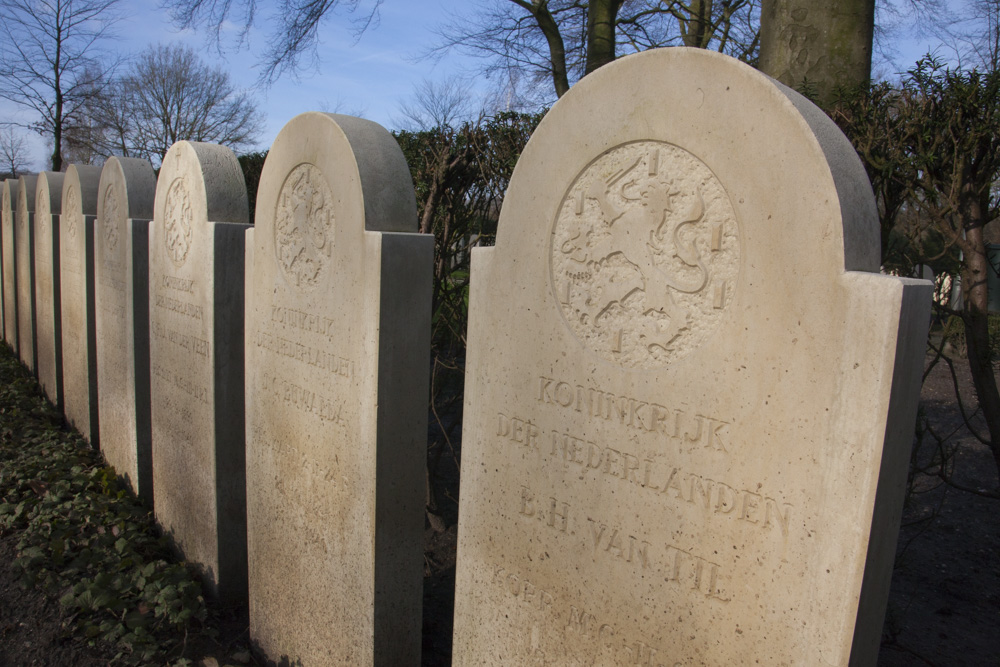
(684, 435)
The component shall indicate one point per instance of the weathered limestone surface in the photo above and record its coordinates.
(24, 248)
(121, 269)
(76, 276)
(338, 325)
(9, 291)
(48, 315)
(196, 256)
(689, 396)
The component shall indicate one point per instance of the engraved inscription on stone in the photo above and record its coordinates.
(112, 219)
(303, 226)
(645, 254)
(71, 210)
(177, 223)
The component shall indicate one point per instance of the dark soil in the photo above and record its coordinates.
(944, 606)
(944, 603)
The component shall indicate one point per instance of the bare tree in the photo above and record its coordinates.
(13, 151)
(976, 34)
(440, 104)
(168, 94)
(294, 25)
(50, 52)
(560, 41)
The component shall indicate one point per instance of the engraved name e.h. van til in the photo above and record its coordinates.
(645, 254)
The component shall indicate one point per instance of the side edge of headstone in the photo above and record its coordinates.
(138, 235)
(913, 303)
(230, 433)
(10, 265)
(403, 378)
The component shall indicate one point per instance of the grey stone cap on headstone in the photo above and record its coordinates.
(140, 185)
(221, 192)
(26, 190)
(50, 182)
(87, 178)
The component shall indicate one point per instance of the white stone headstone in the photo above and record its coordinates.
(338, 328)
(76, 276)
(48, 311)
(196, 256)
(121, 270)
(7, 209)
(24, 248)
(689, 396)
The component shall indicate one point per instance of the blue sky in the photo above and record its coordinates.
(369, 76)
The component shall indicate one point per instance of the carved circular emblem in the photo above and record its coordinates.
(178, 216)
(43, 219)
(112, 219)
(645, 254)
(303, 225)
(22, 213)
(71, 210)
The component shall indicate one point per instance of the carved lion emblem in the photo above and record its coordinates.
(645, 254)
(71, 211)
(177, 224)
(303, 222)
(112, 219)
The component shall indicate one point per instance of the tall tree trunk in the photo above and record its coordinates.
(976, 317)
(695, 31)
(57, 117)
(539, 9)
(818, 45)
(602, 16)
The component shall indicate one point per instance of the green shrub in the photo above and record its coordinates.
(84, 538)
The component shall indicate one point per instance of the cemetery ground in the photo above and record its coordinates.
(85, 579)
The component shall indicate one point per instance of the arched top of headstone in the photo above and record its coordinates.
(26, 186)
(48, 193)
(360, 166)
(9, 190)
(80, 188)
(790, 181)
(128, 189)
(205, 177)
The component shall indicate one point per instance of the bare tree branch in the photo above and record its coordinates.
(168, 95)
(50, 51)
(13, 151)
(295, 32)
(560, 40)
